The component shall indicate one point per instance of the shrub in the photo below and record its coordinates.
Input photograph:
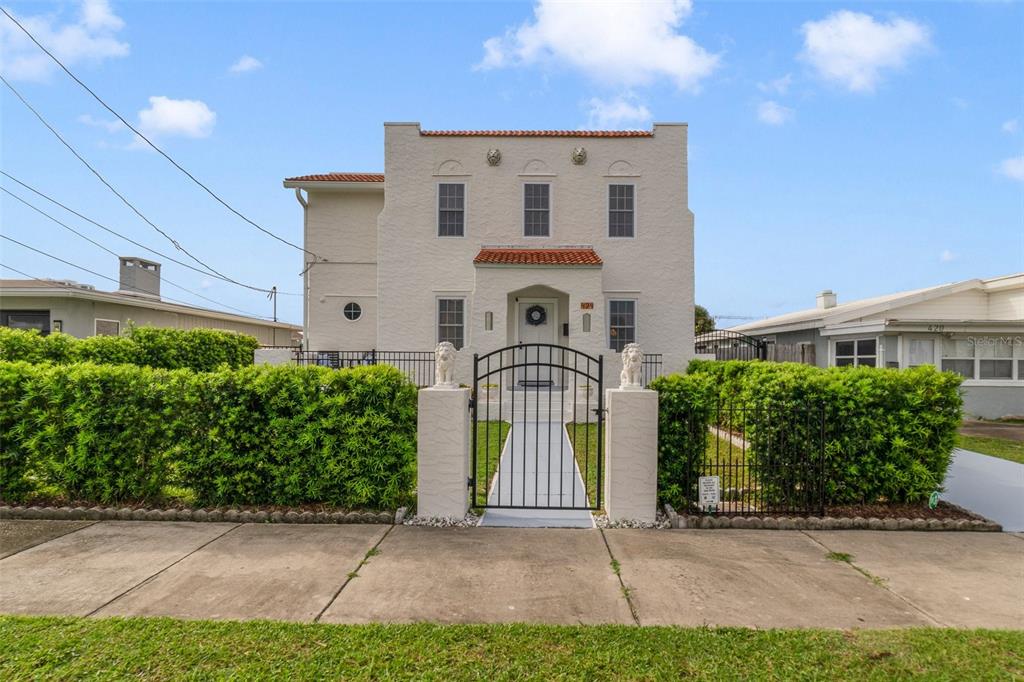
(889, 433)
(685, 404)
(198, 349)
(256, 435)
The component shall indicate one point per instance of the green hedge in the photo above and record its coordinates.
(199, 349)
(889, 434)
(257, 435)
(685, 405)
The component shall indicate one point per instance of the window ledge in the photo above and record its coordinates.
(993, 382)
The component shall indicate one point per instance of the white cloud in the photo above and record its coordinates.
(779, 86)
(1013, 168)
(89, 39)
(773, 113)
(110, 125)
(1010, 127)
(853, 50)
(184, 117)
(617, 113)
(614, 42)
(960, 103)
(246, 63)
(946, 256)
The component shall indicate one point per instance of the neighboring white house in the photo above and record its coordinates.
(974, 328)
(493, 238)
(81, 310)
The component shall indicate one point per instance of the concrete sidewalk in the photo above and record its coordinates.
(369, 573)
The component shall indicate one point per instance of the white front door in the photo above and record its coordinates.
(537, 322)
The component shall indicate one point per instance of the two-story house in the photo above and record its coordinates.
(492, 238)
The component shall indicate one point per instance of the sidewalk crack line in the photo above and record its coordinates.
(617, 570)
(43, 542)
(373, 551)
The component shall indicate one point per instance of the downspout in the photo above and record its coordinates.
(305, 271)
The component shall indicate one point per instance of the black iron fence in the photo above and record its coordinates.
(756, 459)
(652, 367)
(417, 365)
(730, 345)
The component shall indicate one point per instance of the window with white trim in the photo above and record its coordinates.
(451, 321)
(537, 210)
(620, 210)
(621, 323)
(451, 209)
(107, 327)
(857, 353)
(984, 357)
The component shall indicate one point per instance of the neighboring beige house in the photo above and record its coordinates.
(493, 238)
(974, 328)
(81, 310)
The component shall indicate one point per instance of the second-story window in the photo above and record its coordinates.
(451, 209)
(620, 210)
(537, 210)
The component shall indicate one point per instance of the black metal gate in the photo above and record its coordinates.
(538, 428)
(730, 345)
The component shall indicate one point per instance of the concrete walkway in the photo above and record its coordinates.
(538, 469)
(369, 573)
(989, 486)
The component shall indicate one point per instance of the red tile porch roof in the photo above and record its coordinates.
(338, 177)
(536, 133)
(565, 256)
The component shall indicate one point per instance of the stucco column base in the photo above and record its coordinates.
(442, 452)
(631, 455)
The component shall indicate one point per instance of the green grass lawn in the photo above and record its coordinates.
(490, 439)
(584, 446)
(33, 648)
(996, 447)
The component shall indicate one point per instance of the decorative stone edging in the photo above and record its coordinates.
(828, 523)
(227, 515)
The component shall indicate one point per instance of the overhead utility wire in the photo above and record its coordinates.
(157, 149)
(121, 196)
(129, 239)
(93, 272)
(116, 255)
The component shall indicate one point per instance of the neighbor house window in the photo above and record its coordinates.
(451, 209)
(995, 357)
(353, 311)
(620, 210)
(958, 357)
(621, 324)
(920, 352)
(537, 210)
(859, 353)
(984, 357)
(27, 319)
(451, 321)
(107, 327)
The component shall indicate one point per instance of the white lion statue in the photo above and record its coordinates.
(444, 364)
(632, 367)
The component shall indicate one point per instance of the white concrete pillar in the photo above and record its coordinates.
(631, 454)
(442, 452)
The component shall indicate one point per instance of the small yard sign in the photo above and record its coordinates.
(710, 492)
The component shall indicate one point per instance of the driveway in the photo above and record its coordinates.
(989, 486)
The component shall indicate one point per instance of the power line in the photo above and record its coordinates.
(118, 194)
(116, 255)
(157, 149)
(128, 239)
(97, 274)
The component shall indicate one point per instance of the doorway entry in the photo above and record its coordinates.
(536, 323)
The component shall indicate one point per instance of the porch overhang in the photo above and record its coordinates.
(516, 256)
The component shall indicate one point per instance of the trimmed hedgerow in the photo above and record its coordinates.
(685, 405)
(198, 349)
(889, 434)
(257, 435)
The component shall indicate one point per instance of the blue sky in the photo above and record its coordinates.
(863, 147)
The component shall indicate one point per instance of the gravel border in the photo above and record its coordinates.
(469, 520)
(828, 523)
(661, 520)
(228, 514)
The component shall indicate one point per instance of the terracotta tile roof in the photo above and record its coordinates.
(338, 177)
(537, 133)
(564, 256)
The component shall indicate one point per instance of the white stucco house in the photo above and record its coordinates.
(492, 238)
(974, 328)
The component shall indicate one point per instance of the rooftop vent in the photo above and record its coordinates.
(826, 300)
(140, 277)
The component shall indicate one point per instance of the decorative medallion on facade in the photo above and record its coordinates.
(493, 157)
(579, 156)
(536, 315)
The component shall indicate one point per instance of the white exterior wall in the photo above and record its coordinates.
(415, 266)
(341, 226)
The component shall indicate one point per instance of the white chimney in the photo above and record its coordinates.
(826, 300)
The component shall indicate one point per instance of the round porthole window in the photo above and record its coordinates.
(352, 311)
